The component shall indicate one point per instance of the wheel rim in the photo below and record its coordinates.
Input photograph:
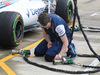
(19, 30)
(70, 12)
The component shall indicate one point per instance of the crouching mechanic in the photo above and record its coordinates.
(57, 37)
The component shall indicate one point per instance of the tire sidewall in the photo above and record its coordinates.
(8, 24)
(17, 18)
(62, 9)
(69, 17)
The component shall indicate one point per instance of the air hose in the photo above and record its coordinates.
(96, 68)
(60, 70)
(80, 25)
(91, 29)
(87, 55)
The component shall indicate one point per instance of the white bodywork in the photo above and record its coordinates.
(29, 10)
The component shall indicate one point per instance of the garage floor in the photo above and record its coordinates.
(89, 11)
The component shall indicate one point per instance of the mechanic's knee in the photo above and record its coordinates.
(49, 58)
(38, 54)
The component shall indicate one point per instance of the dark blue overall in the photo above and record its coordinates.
(55, 39)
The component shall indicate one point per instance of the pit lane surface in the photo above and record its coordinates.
(89, 11)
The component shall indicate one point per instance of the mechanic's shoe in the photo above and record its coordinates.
(71, 52)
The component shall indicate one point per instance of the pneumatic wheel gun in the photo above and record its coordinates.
(21, 52)
(64, 60)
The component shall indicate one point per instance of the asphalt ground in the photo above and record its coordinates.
(89, 11)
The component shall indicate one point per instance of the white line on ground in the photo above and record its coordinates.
(94, 14)
(94, 63)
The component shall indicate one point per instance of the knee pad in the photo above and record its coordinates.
(49, 58)
(38, 54)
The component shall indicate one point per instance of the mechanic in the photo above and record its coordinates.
(56, 38)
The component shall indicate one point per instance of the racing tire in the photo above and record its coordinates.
(64, 9)
(11, 29)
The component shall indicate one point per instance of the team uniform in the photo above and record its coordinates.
(58, 28)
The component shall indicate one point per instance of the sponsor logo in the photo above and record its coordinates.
(34, 11)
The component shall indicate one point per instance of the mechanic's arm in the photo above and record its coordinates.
(62, 33)
(64, 48)
(47, 38)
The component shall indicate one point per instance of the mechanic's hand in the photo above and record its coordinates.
(58, 57)
(49, 44)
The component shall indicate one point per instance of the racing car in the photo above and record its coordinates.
(20, 16)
